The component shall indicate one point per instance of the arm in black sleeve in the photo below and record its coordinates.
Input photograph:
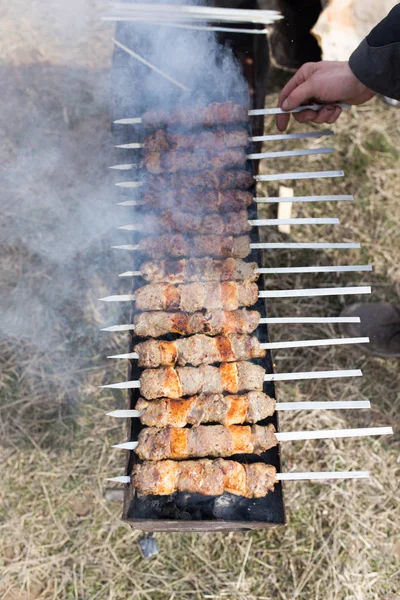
(376, 61)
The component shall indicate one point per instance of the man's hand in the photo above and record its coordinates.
(322, 82)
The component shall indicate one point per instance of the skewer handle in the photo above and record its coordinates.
(322, 475)
(313, 375)
(290, 436)
(334, 405)
(311, 343)
(310, 476)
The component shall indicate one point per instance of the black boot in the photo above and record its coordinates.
(380, 322)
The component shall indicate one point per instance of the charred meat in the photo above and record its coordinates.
(198, 350)
(217, 322)
(214, 408)
(231, 377)
(199, 269)
(179, 246)
(193, 297)
(207, 477)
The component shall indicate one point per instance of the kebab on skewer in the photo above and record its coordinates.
(217, 322)
(193, 297)
(197, 350)
(215, 477)
(206, 477)
(214, 114)
(229, 269)
(202, 349)
(156, 163)
(216, 441)
(169, 382)
(234, 223)
(251, 407)
(220, 441)
(164, 141)
(179, 246)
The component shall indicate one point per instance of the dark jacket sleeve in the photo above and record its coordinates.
(376, 61)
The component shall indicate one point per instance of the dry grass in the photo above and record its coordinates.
(59, 539)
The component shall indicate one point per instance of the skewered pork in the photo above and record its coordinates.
(196, 296)
(211, 179)
(213, 114)
(194, 160)
(186, 381)
(215, 408)
(179, 246)
(234, 223)
(197, 350)
(207, 477)
(199, 269)
(188, 200)
(157, 324)
(216, 441)
(164, 141)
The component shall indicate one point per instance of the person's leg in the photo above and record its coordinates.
(380, 322)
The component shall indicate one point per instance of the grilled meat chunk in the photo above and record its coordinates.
(211, 179)
(196, 296)
(157, 324)
(231, 377)
(211, 115)
(199, 269)
(216, 441)
(194, 160)
(235, 223)
(179, 246)
(164, 141)
(188, 200)
(197, 350)
(206, 477)
(214, 408)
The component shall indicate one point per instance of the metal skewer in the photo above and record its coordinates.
(135, 384)
(262, 321)
(251, 113)
(280, 345)
(275, 246)
(309, 293)
(256, 138)
(271, 199)
(305, 476)
(291, 436)
(281, 406)
(260, 223)
(257, 156)
(270, 177)
(289, 270)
